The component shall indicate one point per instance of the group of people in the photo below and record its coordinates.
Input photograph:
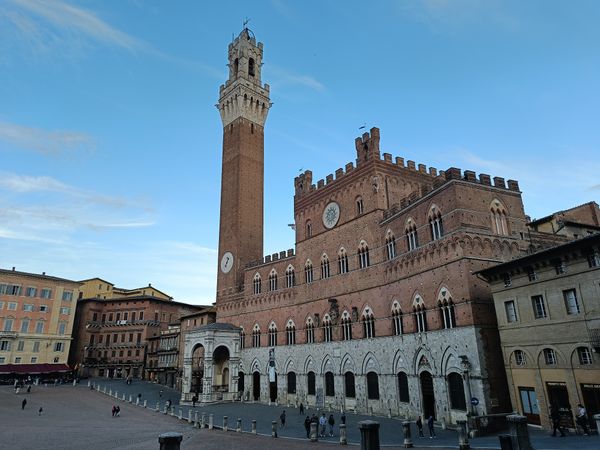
(116, 411)
(430, 427)
(322, 423)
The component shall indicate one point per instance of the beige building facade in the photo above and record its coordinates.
(548, 309)
(36, 318)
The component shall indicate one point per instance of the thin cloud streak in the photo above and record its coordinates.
(44, 141)
(284, 77)
(77, 20)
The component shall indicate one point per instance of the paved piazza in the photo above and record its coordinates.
(75, 417)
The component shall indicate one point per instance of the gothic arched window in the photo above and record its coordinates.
(412, 239)
(272, 335)
(448, 317)
(256, 336)
(290, 333)
(308, 272)
(435, 223)
(273, 280)
(251, 67)
(256, 284)
(363, 255)
(420, 314)
(329, 385)
(368, 322)
(327, 329)
(372, 386)
(290, 277)
(499, 218)
(397, 327)
(324, 267)
(310, 331)
(346, 326)
(342, 261)
(390, 245)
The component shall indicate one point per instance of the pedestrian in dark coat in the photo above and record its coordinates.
(282, 418)
(23, 403)
(301, 409)
(419, 424)
(331, 422)
(555, 417)
(430, 426)
(307, 422)
(114, 410)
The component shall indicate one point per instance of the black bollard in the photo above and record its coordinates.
(170, 441)
(369, 435)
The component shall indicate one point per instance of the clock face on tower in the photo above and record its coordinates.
(226, 262)
(331, 215)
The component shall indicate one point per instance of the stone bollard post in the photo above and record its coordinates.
(239, 425)
(463, 436)
(170, 441)
(165, 411)
(253, 427)
(343, 440)
(123, 397)
(190, 416)
(130, 398)
(105, 389)
(274, 429)
(89, 383)
(137, 401)
(180, 416)
(145, 403)
(225, 426)
(596, 417)
(369, 435)
(314, 436)
(196, 423)
(157, 406)
(172, 413)
(408, 443)
(210, 421)
(519, 432)
(203, 420)
(109, 392)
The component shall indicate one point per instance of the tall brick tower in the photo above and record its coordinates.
(244, 105)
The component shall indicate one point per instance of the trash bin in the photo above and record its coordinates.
(505, 442)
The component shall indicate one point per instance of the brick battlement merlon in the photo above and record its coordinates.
(445, 177)
(367, 149)
(268, 259)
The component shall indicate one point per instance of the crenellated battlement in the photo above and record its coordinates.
(444, 177)
(284, 254)
(367, 149)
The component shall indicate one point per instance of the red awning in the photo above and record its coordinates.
(33, 369)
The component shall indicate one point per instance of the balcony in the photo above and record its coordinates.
(8, 334)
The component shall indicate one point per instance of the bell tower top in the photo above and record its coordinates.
(243, 95)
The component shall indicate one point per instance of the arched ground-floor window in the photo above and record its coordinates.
(329, 384)
(456, 389)
(372, 386)
(311, 383)
(291, 383)
(403, 394)
(349, 385)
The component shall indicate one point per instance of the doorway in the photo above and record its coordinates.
(273, 389)
(427, 394)
(529, 404)
(559, 396)
(591, 401)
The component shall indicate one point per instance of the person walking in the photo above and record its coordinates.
(282, 418)
(23, 403)
(582, 419)
(118, 411)
(114, 410)
(430, 426)
(419, 424)
(301, 408)
(307, 427)
(331, 422)
(555, 418)
(323, 423)
(40, 411)
(28, 389)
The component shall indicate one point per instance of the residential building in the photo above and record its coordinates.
(36, 318)
(548, 309)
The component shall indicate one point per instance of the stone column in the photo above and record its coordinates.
(180, 416)
(190, 416)
(519, 432)
(369, 435)
(313, 432)
(274, 429)
(225, 427)
(186, 383)
(203, 420)
(463, 436)
(343, 440)
(131, 398)
(253, 427)
(239, 425)
(170, 441)
(145, 403)
(408, 443)
(210, 421)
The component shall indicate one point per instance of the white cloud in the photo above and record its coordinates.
(76, 22)
(285, 77)
(44, 141)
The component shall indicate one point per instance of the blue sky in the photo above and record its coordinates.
(110, 143)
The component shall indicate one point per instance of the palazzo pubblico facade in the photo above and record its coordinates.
(378, 307)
